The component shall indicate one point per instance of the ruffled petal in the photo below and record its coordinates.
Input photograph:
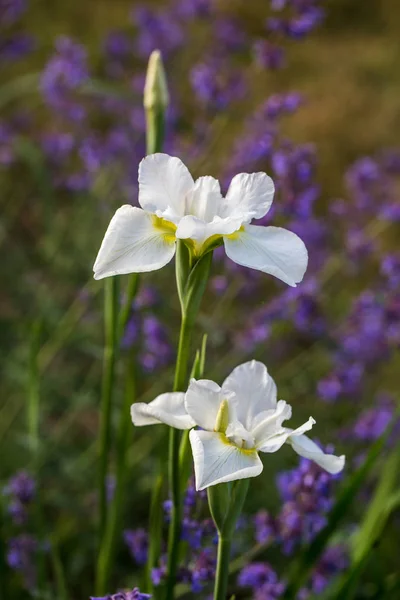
(269, 423)
(218, 461)
(275, 442)
(190, 227)
(250, 195)
(164, 182)
(133, 244)
(254, 389)
(167, 408)
(202, 402)
(204, 200)
(272, 250)
(304, 446)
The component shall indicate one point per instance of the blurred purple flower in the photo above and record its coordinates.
(11, 11)
(63, 75)
(137, 541)
(21, 554)
(135, 594)
(16, 46)
(262, 579)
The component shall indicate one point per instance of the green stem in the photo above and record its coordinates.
(113, 525)
(34, 393)
(222, 574)
(180, 383)
(126, 309)
(110, 350)
(155, 125)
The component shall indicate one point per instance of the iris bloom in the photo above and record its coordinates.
(174, 206)
(237, 421)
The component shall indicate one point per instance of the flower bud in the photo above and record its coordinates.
(155, 88)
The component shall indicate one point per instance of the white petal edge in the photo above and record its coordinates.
(275, 442)
(250, 195)
(255, 391)
(269, 423)
(307, 448)
(219, 462)
(202, 402)
(132, 245)
(167, 408)
(164, 182)
(273, 250)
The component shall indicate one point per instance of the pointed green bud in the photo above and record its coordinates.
(222, 422)
(155, 89)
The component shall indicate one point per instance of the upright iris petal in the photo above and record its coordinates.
(174, 206)
(237, 421)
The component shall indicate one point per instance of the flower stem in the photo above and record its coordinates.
(110, 350)
(222, 574)
(173, 464)
(114, 518)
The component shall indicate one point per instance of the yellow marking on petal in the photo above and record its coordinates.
(222, 421)
(227, 442)
(235, 234)
(166, 228)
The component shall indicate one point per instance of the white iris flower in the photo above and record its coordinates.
(237, 421)
(174, 206)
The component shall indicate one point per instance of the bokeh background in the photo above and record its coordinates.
(306, 91)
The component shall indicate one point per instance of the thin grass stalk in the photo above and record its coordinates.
(111, 296)
(34, 392)
(180, 382)
(113, 528)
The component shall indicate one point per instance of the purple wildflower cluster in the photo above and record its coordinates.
(145, 329)
(22, 547)
(200, 535)
(307, 495)
(20, 492)
(14, 45)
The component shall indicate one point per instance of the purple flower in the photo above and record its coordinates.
(135, 594)
(65, 73)
(137, 541)
(215, 84)
(21, 487)
(333, 561)
(16, 46)
(21, 551)
(390, 268)
(372, 423)
(11, 11)
(262, 579)
(267, 55)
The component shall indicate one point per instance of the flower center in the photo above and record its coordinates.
(167, 228)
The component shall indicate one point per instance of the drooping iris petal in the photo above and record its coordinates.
(304, 446)
(254, 388)
(167, 408)
(132, 244)
(272, 250)
(250, 196)
(272, 443)
(202, 402)
(269, 423)
(218, 461)
(164, 182)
